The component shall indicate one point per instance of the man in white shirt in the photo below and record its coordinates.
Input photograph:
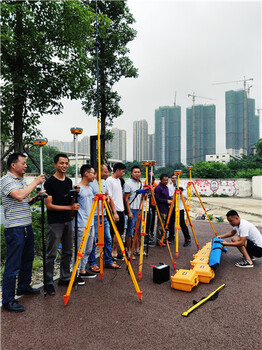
(246, 237)
(115, 193)
(132, 202)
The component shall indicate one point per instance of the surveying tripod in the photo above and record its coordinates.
(176, 201)
(190, 187)
(142, 216)
(100, 201)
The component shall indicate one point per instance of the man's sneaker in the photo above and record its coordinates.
(244, 264)
(87, 275)
(187, 243)
(13, 306)
(243, 258)
(50, 289)
(80, 281)
(28, 291)
(151, 243)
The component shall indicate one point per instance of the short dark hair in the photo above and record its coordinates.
(135, 167)
(232, 213)
(57, 156)
(84, 168)
(13, 158)
(119, 166)
(162, 176)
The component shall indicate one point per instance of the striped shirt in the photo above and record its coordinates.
(17, 213)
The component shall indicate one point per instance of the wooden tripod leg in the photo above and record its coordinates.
(177, 219)
(80, 251)
(160, 219)
(204, 209)
(143, 233)
(168, 218)
(139, 293)
(188, 200)
(190, 221)
(138, 220)
(101, 239)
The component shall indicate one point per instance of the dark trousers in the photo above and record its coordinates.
(59, 233)
(152, 221)
(183, 225)
(120, 225)
(19, 259)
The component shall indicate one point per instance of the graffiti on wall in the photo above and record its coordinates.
(219, 187)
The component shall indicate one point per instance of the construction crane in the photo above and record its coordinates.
(175, 100)
(245, 105)
(193, 122)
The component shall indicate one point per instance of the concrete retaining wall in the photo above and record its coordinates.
(228, 187)
(257, 187)
(207, 187)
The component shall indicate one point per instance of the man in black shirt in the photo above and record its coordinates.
(59, 217)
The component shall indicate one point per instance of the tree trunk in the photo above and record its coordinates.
(18, 81)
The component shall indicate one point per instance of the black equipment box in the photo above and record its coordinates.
(161, 273)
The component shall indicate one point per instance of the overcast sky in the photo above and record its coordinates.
(181, 47)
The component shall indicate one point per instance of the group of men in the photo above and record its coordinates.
(123, 198)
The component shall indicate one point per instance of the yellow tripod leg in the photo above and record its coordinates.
(190, 221)
(139, 293)
(143, 233)
(201, 302)
(141, 205)
(101, 237)
(204, 209)
(80, 252)
(188, 200)
(177, 219)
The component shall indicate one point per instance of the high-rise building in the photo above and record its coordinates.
(151, 147)
(200, 132)
(242, 125)
(140, 140)
(168, 135)
(84, 145)
(117, 146)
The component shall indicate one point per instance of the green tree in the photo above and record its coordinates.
(259, 147)
(45, 47)
(206, 170)
(114, 62)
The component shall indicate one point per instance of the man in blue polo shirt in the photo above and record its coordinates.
(19, 235)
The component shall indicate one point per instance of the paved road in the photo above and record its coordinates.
(108, 315)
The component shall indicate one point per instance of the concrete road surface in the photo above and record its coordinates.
(107, 315)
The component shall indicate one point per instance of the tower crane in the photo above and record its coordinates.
(245, 105)
(194, 122)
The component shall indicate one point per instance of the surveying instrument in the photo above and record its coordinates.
(178, 194)
(41, 197)
(190, 187)
(100, 202)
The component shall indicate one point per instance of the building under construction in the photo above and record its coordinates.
(242, 125)
(168, 135)
(200, 132)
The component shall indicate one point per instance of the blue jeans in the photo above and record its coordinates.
(132, 223)
(107, 243)
(19, 259)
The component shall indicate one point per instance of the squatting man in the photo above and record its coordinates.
(246, 237)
